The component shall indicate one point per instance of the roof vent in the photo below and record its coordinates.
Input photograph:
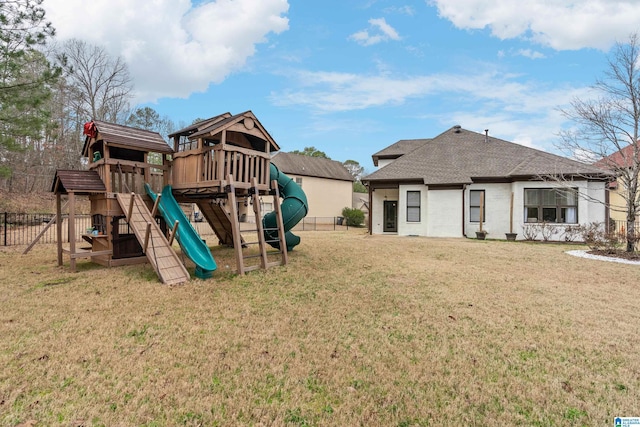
(486, 135)
(457, 128)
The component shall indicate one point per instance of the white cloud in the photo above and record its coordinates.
(515, 109)
(531, 54)
(559, 24)
(333, 92)
(380, 31)
(403, 10)
(172, 48)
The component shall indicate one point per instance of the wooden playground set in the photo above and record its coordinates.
(136, 182)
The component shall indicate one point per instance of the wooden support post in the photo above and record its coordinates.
(130, 212)
(172, 234)
(255, 201)
(511, 214)
(59, 228)
(235, 226)
(481, 209)
(146, 237)
(155, 205)
(72, 229)
(281, 233)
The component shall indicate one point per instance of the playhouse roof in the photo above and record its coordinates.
(319, 167)
(78, 182)
(128, 137)
(252, 128)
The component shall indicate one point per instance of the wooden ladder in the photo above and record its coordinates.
(155, 245)
(240, 244)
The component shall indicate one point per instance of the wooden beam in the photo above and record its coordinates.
(511, 214)
(155, 205)
(59, 228)
(255, 201)
(235, 226)
(172, 234)
(72, 228)
(44, 230)
(281, 233)
(130, 212)
(481, 209)
(146, 238)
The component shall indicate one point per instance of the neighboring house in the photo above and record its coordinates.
(327, 184)
(435, 187)
(361, 201)
(620, 160)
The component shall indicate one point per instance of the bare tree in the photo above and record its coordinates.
(102, 84)
(608, 127)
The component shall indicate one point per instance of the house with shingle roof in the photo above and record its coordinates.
(621, 163)
(327, 183)
(444, 187)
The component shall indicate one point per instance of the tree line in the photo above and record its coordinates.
(49, 90)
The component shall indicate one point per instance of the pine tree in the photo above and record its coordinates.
(25, 73)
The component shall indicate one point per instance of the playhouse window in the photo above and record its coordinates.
(558, 205)
(474, 206)
(413, 206)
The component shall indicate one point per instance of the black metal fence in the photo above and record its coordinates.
(620, 229)
(23, 228)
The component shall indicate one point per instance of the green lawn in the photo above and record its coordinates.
(355, 330)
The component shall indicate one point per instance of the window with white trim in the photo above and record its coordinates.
(413, 206)
(475, 196)
(558, 205)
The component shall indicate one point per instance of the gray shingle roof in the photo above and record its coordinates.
(216, 124)
(460, 156)
(128, 137)
(298, 164)
(398, 149)
(79, 182)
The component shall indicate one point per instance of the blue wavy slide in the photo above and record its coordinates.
(294, 207)
(190, 242)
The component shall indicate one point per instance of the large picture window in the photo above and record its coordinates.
(559, 205)
(413, 206)
(475, 196)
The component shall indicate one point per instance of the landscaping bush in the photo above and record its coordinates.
(354, 217)
(598, 238)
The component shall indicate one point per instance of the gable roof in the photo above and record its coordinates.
(78, 182)
(398, 149)
(620, 159)
(198, 126)
(252, 129)
(128, 137)
(298, 164)
(460, 156)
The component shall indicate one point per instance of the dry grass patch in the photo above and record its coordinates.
(356, 330)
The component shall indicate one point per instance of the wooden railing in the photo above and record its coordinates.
(126, 178)
(210, 167)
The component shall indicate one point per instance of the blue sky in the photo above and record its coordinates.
(351, 77)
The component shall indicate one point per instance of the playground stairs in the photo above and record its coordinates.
(245, 239)
(219, 220)
(161, 256)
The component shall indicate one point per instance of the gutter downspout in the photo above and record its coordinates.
(464, 188)
(370, 219)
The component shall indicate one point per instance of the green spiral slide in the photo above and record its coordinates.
(294, 207)
(190, 242)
